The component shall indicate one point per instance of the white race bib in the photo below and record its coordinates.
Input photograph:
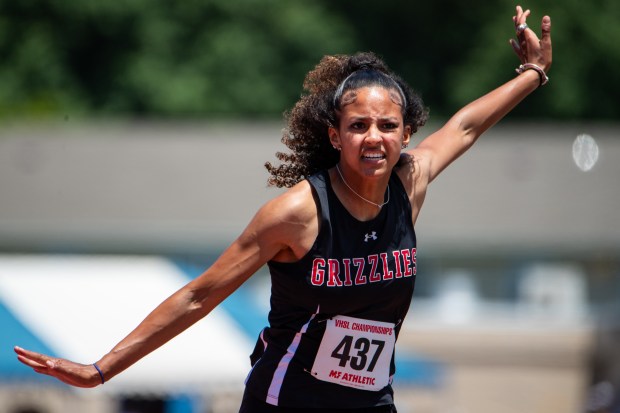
(355, 353)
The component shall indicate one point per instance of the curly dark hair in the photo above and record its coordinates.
(317, 109)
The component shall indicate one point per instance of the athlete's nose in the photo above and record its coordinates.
(373, 136)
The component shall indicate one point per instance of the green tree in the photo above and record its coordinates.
(453, 51)
(586, 54)
(248, 58)
(167, 58)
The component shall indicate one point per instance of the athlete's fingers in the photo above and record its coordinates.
(31, 358)
(519, 12)
(30, 363)
(545, 38)
(518, 50)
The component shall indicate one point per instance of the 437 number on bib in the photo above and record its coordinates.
(355, 352)
(363, 350)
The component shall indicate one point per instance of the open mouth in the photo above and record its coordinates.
(373, 156)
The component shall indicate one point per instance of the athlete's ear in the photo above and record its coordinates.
(334, 137)
(406, 136)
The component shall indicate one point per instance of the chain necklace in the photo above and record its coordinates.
(352, 190)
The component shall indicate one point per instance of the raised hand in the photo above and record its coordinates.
(75, 374)
(528, 47)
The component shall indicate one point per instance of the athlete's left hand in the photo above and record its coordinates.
(528, 47)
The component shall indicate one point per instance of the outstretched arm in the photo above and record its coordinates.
(441, 148)
(270, 232)
(175, 314)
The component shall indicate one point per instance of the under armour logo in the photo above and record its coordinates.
(372, 235)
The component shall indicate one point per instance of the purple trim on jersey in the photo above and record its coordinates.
(262, 338)
(273, 394)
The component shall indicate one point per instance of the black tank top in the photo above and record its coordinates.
(355, 269)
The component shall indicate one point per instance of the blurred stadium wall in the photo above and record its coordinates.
(519, 249)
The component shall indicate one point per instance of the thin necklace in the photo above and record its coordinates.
(370, 202)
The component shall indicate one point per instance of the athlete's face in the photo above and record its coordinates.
(371, 131)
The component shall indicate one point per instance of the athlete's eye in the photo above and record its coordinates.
(390, 125)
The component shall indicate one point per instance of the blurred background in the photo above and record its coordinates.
(132, 142)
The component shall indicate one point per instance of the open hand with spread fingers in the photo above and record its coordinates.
(534, 53)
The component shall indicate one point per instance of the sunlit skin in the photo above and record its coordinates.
(370, 136)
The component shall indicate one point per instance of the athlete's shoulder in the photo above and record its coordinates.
(292, 217)
(296, 202)
(290, 210)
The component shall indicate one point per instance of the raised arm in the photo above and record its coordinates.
(273, 232)
(441, 148)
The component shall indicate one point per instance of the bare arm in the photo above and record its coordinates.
(274, 231)
(441, 148)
